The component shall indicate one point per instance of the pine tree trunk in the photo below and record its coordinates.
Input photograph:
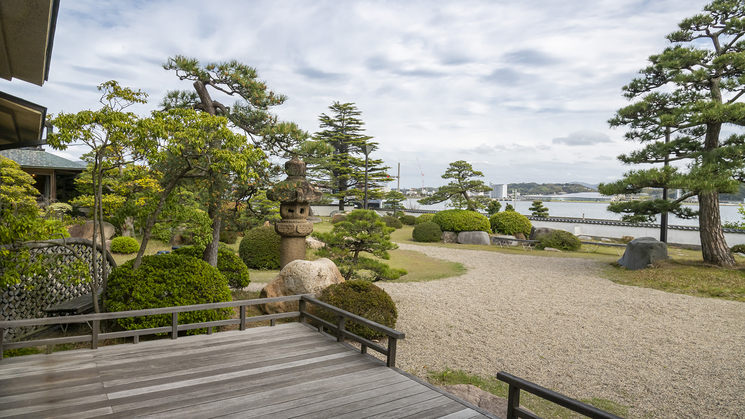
(713, 245)
(210, 252)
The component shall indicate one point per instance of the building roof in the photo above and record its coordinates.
(26, 39)
(40, 159)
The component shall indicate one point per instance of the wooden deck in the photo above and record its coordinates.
(285, 371)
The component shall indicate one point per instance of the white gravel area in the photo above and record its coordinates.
(557, 323)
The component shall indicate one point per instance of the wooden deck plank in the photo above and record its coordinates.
(437, 411)
(286, 371)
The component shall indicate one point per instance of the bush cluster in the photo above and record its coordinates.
(364, 299)
(124, 245)
(510, 222)
(229, 265)
(167, 281)
(391, 221)
(559, 239)
(424, 218)
(228, 236)
(259, 248)
(408, 220)
(461, 220)
(427, 232)
(738, 248)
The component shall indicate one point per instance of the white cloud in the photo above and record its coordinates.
(583, 138)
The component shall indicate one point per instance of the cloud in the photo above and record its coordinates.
(578, 138)
(316, 74)
(531, 57)
(504, 76)
(604, 158)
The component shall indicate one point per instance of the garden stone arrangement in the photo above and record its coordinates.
(643, 252)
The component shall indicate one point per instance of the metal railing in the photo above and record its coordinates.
(303, 300)
(514, 410)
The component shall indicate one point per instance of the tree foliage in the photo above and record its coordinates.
(683, 99)
(493, 207)
(459, 190)
(538, 210)
(363, 231)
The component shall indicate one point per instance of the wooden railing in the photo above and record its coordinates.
(95, 321)
(514, 410)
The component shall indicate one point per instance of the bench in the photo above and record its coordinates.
(78, 305)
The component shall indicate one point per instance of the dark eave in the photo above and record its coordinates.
(21, 122)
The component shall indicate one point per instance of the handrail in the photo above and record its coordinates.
(513, 401)
(174, 328)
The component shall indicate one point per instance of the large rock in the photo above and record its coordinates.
(642, 252)
(538, 232)
(476, 396)
(85, 231)
(338, 218)
(314, 244)
(474, 237)
(300, 277)
(449, 237)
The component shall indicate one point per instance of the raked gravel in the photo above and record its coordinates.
(557, 323)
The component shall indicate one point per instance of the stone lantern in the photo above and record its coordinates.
(294, 195)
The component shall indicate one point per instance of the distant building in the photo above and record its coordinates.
(54, 175)
(498, 191)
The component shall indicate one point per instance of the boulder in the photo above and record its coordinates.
(552, 249)
(585, 238)
(85, 231)
(314, 244)
(504, 240)
(538, 232)
(313, 220)
(642, 252)
(449, 237)
(476, 396)
(300, 277)
(606, 240)
(474, 237)
(338, 217)
(520, 236)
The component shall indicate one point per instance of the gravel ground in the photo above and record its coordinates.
(555, 322)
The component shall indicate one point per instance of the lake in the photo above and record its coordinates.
(596, 210)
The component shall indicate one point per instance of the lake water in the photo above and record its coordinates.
(596, 210)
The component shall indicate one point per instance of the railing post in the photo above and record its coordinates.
(94, 334)
(391, 361)
(302, 307)
(340, 320)
(243, 318)
(513, 401)
(174, 325)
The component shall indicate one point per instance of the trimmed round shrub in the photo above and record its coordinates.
(427, 233)
(559, 239)
(124, 245)
(228, 236)
(229, 265)
(510, 222)
(259, 248)
(738, 248)
(166, 281)
(364, 299)
(461, 220)
(391, 221)
(425, 218)
(408, 220)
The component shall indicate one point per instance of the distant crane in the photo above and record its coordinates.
(420, 171)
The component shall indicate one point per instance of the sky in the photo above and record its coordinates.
(521, 90)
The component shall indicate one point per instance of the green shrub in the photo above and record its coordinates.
(427, 233)
(259, 248)
(166, 281)
(364, 299)
(461, 220)
(738, 248)
(408, 220)
(124, 245)
(228, 236)
(510, 222)
(392, 222)
(229, 265)
(425, 218)
(559, 239)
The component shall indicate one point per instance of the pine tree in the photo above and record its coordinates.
(459, 191)
(684, 97)
(343, 171)
(538, 209)
(493, 207)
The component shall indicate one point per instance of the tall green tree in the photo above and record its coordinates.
(250, 113)
(538, 210)
(683, 99)
(462, 189)
(343, 171)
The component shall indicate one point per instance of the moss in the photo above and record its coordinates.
(461, 220)
(125, 245)
(510, 222)
(259, 248)
(427, 233)
(364, 299)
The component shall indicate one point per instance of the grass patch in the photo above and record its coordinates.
(539, 406)
(685, 276)
(421, 267)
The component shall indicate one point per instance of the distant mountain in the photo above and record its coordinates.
(532, 188)
(588, 185)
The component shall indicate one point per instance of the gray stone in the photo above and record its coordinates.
(605, 240)
(491, 403)
(314, 244)
(473, 237)
(504, 240)
(584, 238)
(643, 252)
(537, 232)
(449, 237)
(85, 231)
(552, 249)
(313, 220)
(300, 277)
(338, 217)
